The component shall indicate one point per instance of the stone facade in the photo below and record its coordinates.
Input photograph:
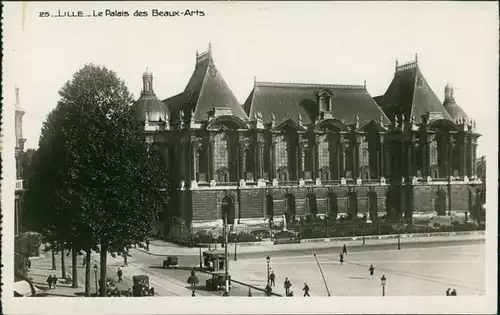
(310, 149)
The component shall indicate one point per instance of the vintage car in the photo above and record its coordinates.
(171, 261)
(217, 282)
(141, 286)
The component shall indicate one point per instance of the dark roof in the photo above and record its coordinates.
(287, 100)
(205, 90)
(455, 111)
(148, 102)
(410, 94)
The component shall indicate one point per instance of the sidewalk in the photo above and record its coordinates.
(163, 248)
(41, 268)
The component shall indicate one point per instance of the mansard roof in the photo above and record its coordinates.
(410, 94)
(205, 90)
(289, 100)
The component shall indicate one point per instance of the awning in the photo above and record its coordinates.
(23, 288)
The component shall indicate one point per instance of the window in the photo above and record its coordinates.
(418, 160)
(281, 153)
(365, 172)
(325, 173)
(364, 154)
(349, 160)
(221, 156)
(433, 157)
(323, 152)
(283, 174)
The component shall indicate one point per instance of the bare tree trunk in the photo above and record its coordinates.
(103, 262)
(74, 270)
(87, 273)
(63, 265)
(54, 266)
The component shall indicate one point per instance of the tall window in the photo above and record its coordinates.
(349, 160)
(281, 153)
(221, 157)
(373, 154)
(433, 157)
(418, 160)
(323, 152)
(364, 154)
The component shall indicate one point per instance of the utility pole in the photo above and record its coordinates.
(324, 280)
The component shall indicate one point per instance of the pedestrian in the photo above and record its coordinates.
(49, 281)
(453, 292)
(344, 249)
(28, 264)
(341, 258)
(372, 270)
(211, 265)
(119, 273)
(287, 285)
(272, 278)
(147, 245)
(306, 289)
(54, 281)
(448, 292)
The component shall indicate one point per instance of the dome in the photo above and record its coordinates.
(150, 105)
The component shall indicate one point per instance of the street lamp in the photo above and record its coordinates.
(383, 280)
(268, 260)
(95, 276)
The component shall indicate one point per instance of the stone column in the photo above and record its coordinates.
(194, 146)
(410, 160)
(470, 154)
(474, 157)
(314, 158)
(260, 159)
(425, 155)
(359, 139)
(303, 145)
(210, 159)
(341, 164)
(381, 161)
(461, 152)
(243, 148)
(273, 157)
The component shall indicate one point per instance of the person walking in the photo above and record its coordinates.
(54, 281)
(306, 289)
(272, 278)
(448, 292)
(287, 285)
(49, 281)
(344, 249)
(341, 258)
(119, 273)
(372, 271)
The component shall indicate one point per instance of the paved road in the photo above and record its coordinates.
(194, 259)
(415, 271)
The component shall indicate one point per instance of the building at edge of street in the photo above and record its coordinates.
(296, 149)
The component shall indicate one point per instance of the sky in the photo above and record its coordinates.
(314, 42)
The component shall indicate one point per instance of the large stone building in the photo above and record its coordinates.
(321, 149)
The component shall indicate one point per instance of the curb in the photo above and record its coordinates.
(241, 283)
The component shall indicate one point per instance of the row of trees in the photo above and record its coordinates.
(94, 183)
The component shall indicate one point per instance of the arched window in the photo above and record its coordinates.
(283, 174)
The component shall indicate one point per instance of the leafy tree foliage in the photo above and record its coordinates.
(96, 184)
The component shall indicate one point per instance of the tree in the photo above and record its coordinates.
(104, 185)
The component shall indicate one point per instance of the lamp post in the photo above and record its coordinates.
(399, 239)
(383, 280)
(226, 260)
(201, 260)
(268, 260)
(95, 276)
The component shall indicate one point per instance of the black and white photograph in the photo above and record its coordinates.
(257, 157)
